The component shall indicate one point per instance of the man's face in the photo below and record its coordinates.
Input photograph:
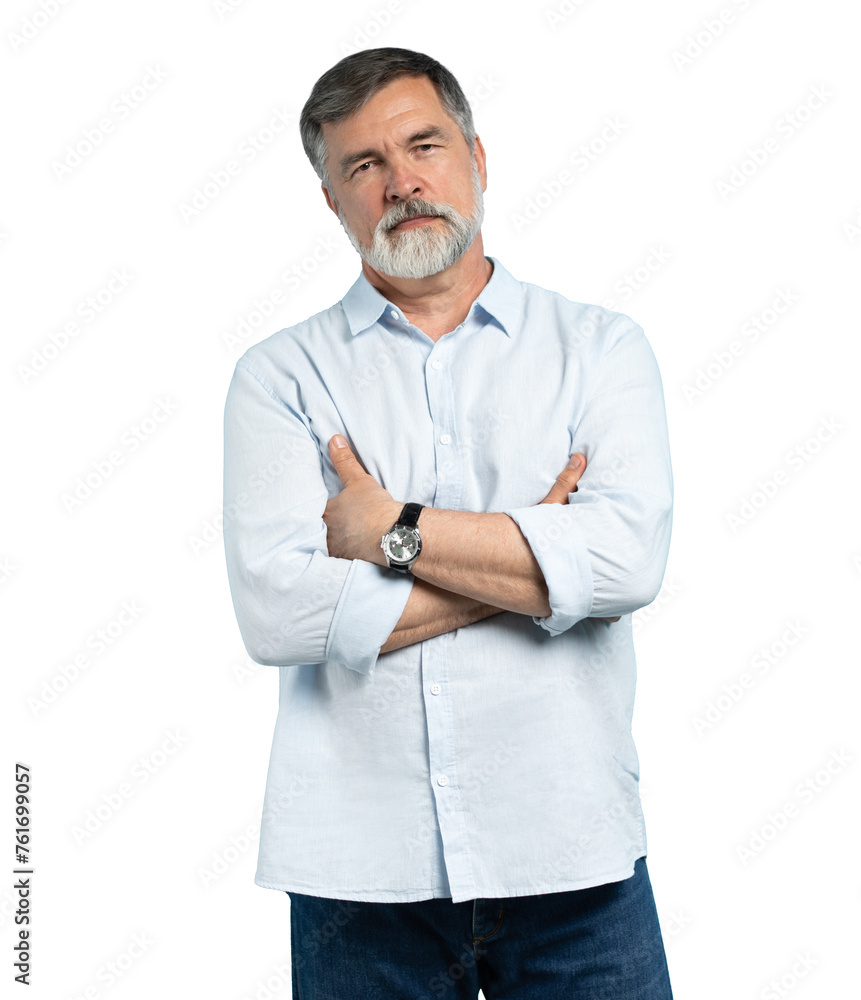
(403, 183)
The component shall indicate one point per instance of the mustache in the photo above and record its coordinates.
(410, 209)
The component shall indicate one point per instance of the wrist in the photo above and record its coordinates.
(390, 511)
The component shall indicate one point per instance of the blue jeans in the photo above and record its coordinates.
(602, 943)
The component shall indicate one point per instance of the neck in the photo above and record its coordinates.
(439, 303)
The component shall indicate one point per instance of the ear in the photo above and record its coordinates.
(480, 162)
(330, 201)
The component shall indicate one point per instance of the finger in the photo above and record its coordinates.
(566, 481)
(345, 462)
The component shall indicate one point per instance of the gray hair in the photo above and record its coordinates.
(351, 83)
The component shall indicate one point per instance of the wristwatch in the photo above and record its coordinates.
(402, 543)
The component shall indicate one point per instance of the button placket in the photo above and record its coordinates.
(442, 763)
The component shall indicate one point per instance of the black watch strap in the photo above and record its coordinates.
(410, 515)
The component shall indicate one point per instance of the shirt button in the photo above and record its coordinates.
(442, 780)
(436, 365)
(445, 439)
(436, 688)
(395, 314)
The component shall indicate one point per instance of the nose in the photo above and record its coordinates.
(403, 183)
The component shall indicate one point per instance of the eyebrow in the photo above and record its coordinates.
(429, 132)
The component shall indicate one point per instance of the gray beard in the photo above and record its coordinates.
(423, 250)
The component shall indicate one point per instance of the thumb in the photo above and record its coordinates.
(566, 481)
(345, 462)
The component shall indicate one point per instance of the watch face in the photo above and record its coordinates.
(402, 544)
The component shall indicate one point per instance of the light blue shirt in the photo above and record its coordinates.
(497, 759)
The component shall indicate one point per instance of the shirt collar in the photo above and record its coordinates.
(501, 298)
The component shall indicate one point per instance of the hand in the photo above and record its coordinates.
(566, 482)
(358, 517)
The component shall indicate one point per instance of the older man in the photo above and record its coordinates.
(452, 799)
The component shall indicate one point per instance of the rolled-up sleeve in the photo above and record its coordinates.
(604, 553)
(294, 603)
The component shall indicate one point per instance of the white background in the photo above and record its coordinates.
(172, 710)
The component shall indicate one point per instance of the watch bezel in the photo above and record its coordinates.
(404, 533)
(406, 524)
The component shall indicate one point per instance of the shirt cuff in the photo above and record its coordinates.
(561, 553)
(371, 603)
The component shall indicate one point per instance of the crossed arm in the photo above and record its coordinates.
(471, 566)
